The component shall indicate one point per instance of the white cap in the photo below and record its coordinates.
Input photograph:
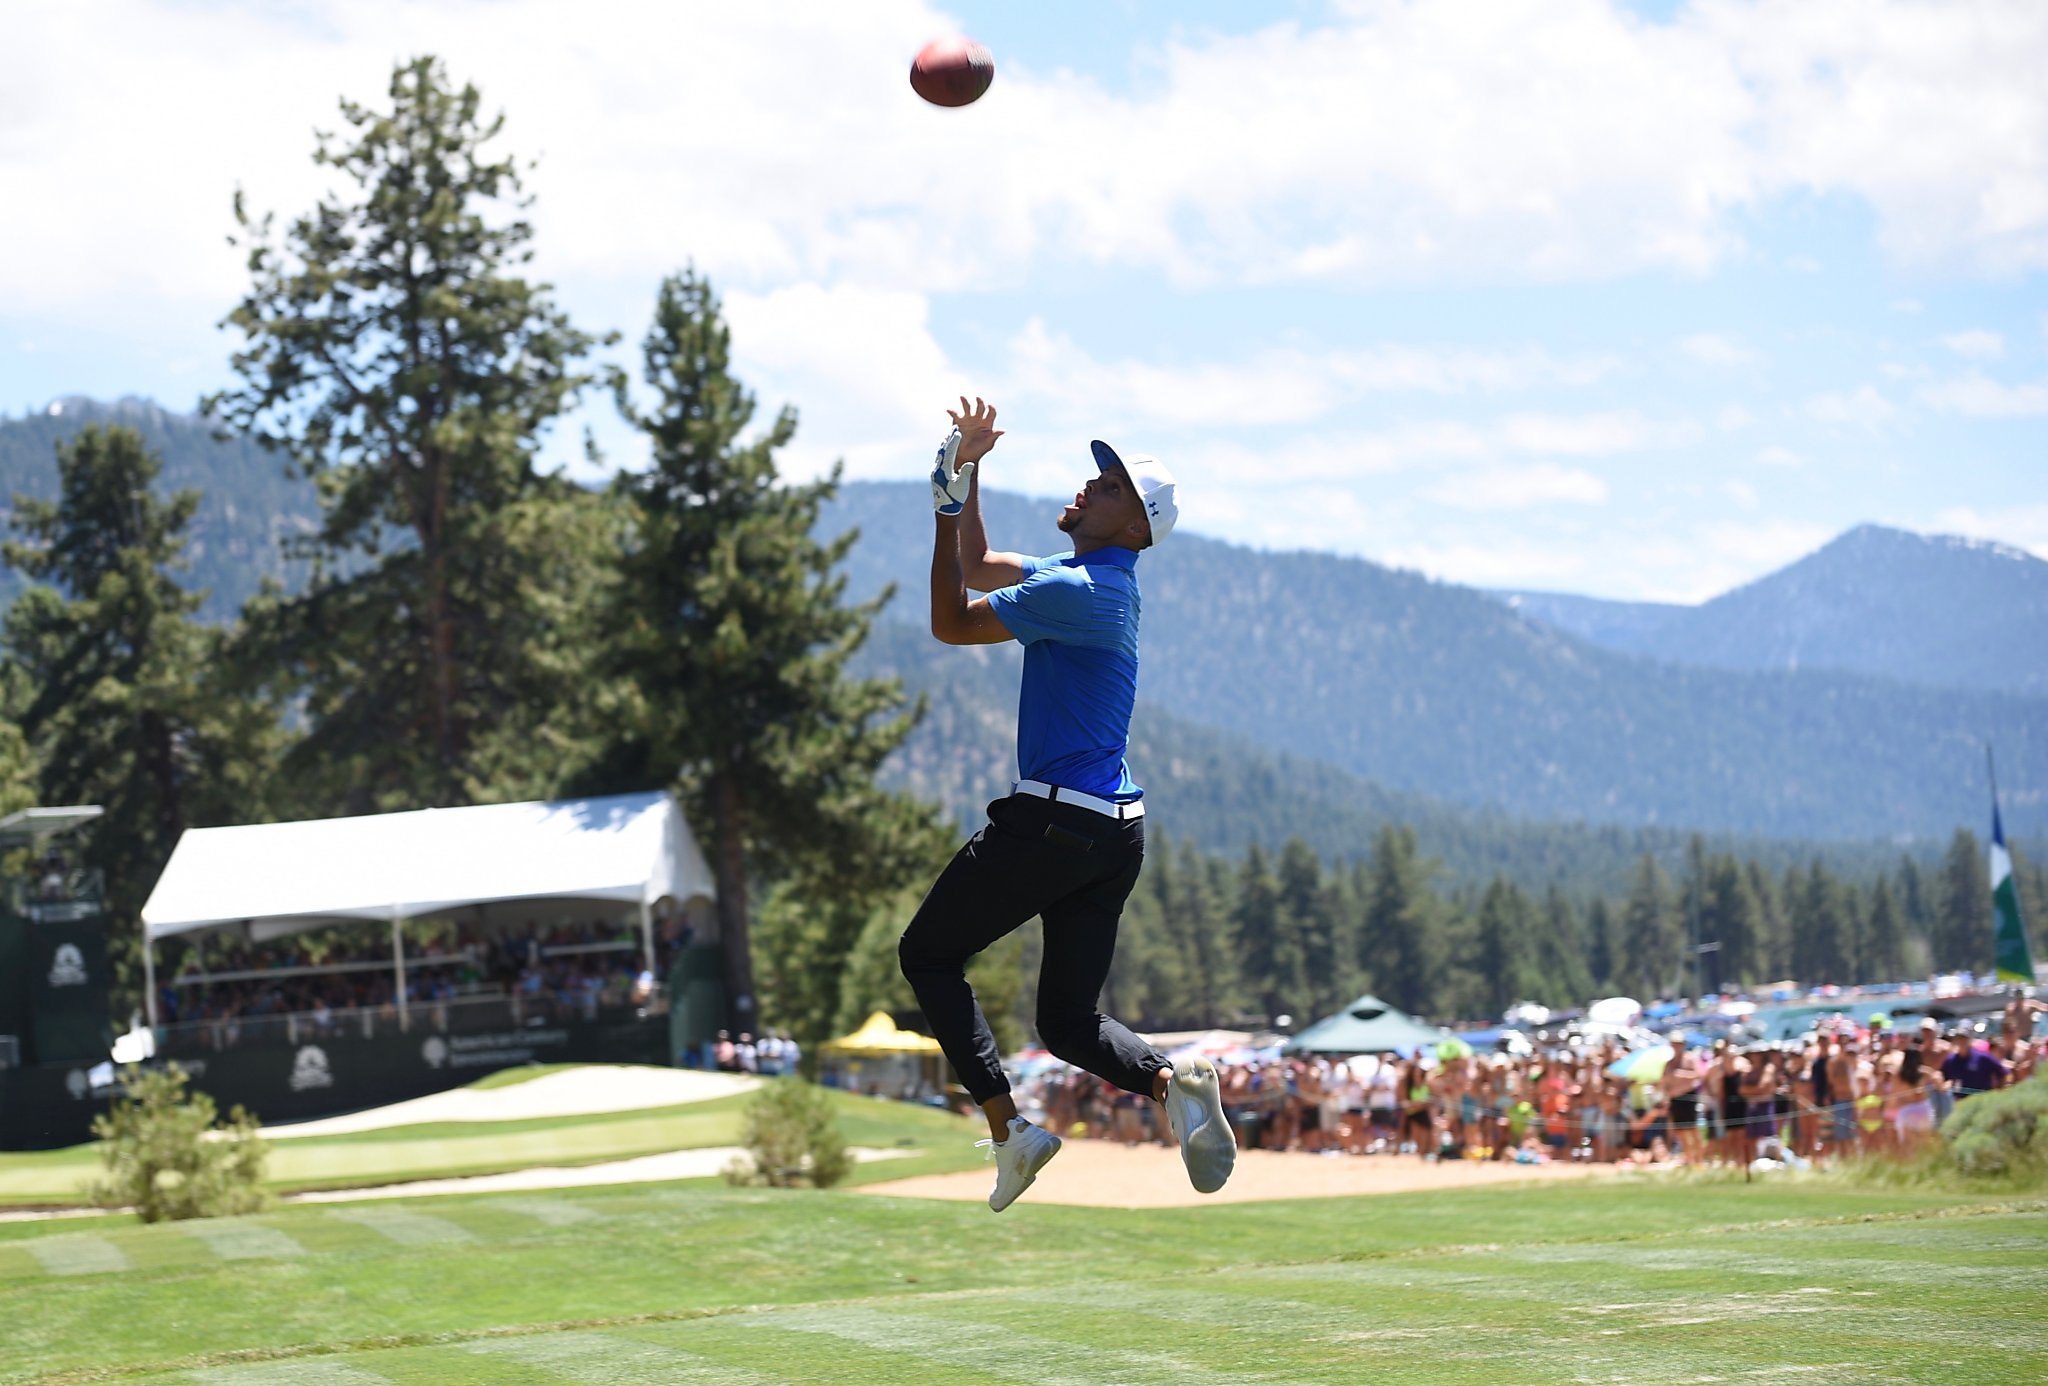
(1155, 485)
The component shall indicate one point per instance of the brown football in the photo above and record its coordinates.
(952, 71)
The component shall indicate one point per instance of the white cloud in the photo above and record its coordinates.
(1716, 349)
(1930, 113)
(1524, 140)
(864, 364)
(1776, 456)
(1519, 487)
(1516, 563)
(1978, 344)
(1271, 386)
(1983, 398)
(2025, 526)
(1733, 418)
(1743, 494)
(1767, 544)
(1862, 407)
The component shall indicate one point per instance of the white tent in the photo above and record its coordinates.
(489, 861)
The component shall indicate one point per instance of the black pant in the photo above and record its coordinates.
(1073, 866)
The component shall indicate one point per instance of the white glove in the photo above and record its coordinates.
(949, 486)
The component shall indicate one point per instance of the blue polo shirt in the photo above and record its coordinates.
(1077, 619)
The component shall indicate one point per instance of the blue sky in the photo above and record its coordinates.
(1636, 300)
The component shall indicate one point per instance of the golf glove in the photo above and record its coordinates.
(949, 486)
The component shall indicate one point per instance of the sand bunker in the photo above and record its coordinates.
(1103, 1174)
(587, 1090)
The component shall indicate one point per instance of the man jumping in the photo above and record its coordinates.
(1067, 842)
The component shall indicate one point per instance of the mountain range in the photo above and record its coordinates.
(1433, 688)
(1846, 697)
(1935, 610)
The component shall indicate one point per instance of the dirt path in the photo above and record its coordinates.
(1102, 1174)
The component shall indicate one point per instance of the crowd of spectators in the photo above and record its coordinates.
(1847, 1089)
(226, 988)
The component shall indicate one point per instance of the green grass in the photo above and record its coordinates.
(513, 1077)
(446, 1150)
(1621, 1281)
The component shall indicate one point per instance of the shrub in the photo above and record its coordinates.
(791, 1137)
(2002, 1134)
(167, 1153)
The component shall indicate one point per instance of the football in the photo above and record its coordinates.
(952, 71)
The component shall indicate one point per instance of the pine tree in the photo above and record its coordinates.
(1774, 946)
(1263, 958)
(729, 634)
(1202, 921)
(1820, 927)
(1561, 971)
(1306, 953)
(1962, 907)
(1602, 951)
(1398, 945)
(1650, 957)
(117, 699)
(1500, 947)
(1729, 917)
(1884, 936)
(394, 352)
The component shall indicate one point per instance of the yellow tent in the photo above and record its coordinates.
(879, 1035)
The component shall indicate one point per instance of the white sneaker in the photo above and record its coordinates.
(1018, 1160)
(1194, 1109)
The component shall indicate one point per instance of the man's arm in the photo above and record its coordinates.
(992, 570)
(955, 619)
(985, 569)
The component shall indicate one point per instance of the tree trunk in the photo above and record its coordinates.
(442, 636)
(729, 868)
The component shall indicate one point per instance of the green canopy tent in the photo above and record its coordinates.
(1366, 1026)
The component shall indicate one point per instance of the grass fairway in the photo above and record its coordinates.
(933, 1141)
(1618, 1281)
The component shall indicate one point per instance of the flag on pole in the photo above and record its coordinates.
(2013, 959)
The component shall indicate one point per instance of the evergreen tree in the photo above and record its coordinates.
(1602, 952)
(1398, 946)
(117, 700)
(1884, 936)
(394, 352)
(1729, 917)
(1650, 957)
(1820, 928)
(1561, 971)
(1501, 954)
(729, 634)
(1264, 960)
(1773, 953)
(1305, 957)
(1962, 907)
(1196, 916)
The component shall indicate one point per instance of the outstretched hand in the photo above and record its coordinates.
(978, 431)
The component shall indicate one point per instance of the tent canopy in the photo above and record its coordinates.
(492, 861)
(1366, 1026)
(878, 1035)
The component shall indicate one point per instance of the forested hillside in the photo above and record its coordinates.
(1927, 609)
(1425, 686)
(1225, 793)
(1369, 693)
(247, 504)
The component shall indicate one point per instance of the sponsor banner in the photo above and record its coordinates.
(54, 1104)
(67, 980)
